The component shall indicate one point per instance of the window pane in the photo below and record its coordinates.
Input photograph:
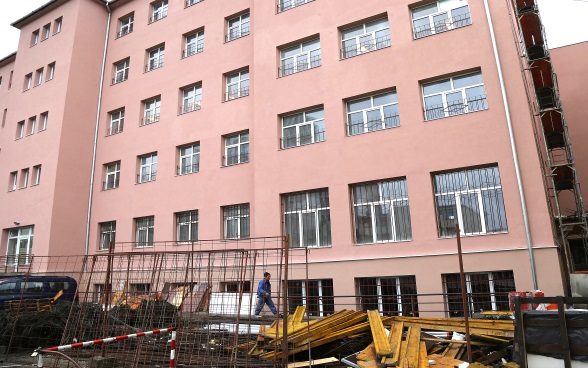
(363, 224)
(309, 229)
(424, 10)
(319, 130)
(306, 134)
(383, 222)
(376, 25)
(476, 98)
(436, 87)
(324, 218)
(316, 114)
(352, 32)
(385, 99)
(293, 119)
(494, 213)
(311, 45)
(364, 103)
(289, 139)
(480, 287)
(470, 212)
(402, 221)
(467, 80)
(455, 103)
(292, 228)
(461, 16)
(446, 214)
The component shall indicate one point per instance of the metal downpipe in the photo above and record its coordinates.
(514, 149)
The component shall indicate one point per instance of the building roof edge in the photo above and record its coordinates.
(8, 58)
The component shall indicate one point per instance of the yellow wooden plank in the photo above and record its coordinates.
(313, 362)
(379, 334)
(319, 334)
(473, 330)
(369, 353)
(320, 326)
(413, 339)
(298, 314)
(423, 359)
(402, 362)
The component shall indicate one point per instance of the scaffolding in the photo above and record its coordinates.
(551, 134)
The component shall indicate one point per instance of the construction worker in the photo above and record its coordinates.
(264, 295)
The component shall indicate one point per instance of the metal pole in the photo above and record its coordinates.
(286, 243)
(464, 295)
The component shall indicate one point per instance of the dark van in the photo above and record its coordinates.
(36, 287)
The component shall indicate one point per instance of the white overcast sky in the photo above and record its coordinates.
(565, 21)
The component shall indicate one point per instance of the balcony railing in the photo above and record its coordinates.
(302, 139)
(121, 77)
(192, 49)
(110, 184)
(372, 125)
(238, 32)
(154, 63)
(158, 15)
(144, 178)
(235, 159)
(291, 4)
(150, 119)
(236, 93)
(442, 25)
(188, 169)
(292, 68)
(184, 109)
(125, 31)
(189, 3)
(365, 47)
(115, 128)
(456, 107)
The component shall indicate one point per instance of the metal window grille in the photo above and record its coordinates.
(299, 58)
(236, 286)
(238, 27)
(237, 85)
(189, 159)
(187, 226)
(116, 122)
(454, 96)
(156, 60)
(112, 176)
(471, 198)
(316, 295)
(151, 114)
(159, 12)
(148, 169)
(236, 220)
(194, 44)
(432, 19)
(126, 27)
(284, 5)
(373, 113)
(236, 149)
(122, 72)
(365, 38)
(189, 3)
(192, 99)
(392, 296)
(144, 231)
(307, 218)
(107, 234)
(303, 128)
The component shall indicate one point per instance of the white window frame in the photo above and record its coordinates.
(32, 125)
(304, 56)
(147, 168)
(432, 112)
(14, 176)
(20, 126)
(29, 81)
(152, 110)
(319, 297)
(50, 71)
(57, 27)
(367, 41)
(239, 87)
(45, 117)
(156, 58)
(368, 123)
(187, 219)
(117, 120)
(39, 77)
(18, 237)
(291, 4)
(25, 178)
(435, 22)
(126, 25)
(37, 174)
(385, 200)
(189, 3)
(316, 127)
(380, 295)
(144, 225)
(194, 43)
(189, 161)
(191, 99)
(241, 146)
(46, 31)
(112, 176)
(158, 11)
(236, 215)
(121, 71)
(107, 234)
(241, 27)
(315, 218)
(35, 38)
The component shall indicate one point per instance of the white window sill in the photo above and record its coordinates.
(471, 235)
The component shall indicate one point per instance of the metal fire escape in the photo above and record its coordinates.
(565, 197)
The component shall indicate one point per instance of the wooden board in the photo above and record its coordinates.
(379, 334)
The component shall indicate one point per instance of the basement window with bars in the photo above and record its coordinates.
(471, 198)
(316, 295)
(235, 287)
(486, 291)
(392, 296)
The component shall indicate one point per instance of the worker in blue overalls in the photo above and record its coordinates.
(264, 295)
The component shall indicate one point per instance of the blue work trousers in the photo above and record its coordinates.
(261, 300)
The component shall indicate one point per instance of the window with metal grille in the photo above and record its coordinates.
(238, 27)
(372, 113)
(440, 16)
(125, 25)
(392, 296)
(236, 221)
(381, 212)
(191, 99)
(189, 159)
(301, 57)
(158, 11)
(454, 96)
(303, 128)
(235, 287)
(148, 168)
(236, 149)
(237, 85)
(471, 198)
(194, 43)
(151, 112)
(364, 38)
(486, 291)
(117, 120)
(121, 72)
(107, 234)
(156, 58)
(316, 295)
(112, 176)
(284, 5)
(307, 218)
(187, 225)
(144, 227)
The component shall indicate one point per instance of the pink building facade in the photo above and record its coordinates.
(364, 132)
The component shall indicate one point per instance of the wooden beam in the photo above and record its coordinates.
(379, 334)
(413, 345)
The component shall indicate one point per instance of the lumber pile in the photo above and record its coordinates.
(407, 342)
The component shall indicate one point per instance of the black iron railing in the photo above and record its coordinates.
(121, 77)
(184, 109)
(372, 125)
(365, 47)
(115, 128)
(155, 63)
(292, 68)
(456, 107)
(238, 32)
(188, 169)
(303, 139)
(192, 49)
(125, 31)
(150, 119)
(291, 4)
(235, 159)
(158, 15)
(144, 178)
(442, 25)
(236, 93)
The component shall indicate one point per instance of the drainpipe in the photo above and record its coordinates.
(515, 156)
(87, 249)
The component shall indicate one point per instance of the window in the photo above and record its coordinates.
(144, 231)
(440, 16)
(235, 287)
(303, 128)
(299, 58)
(20, 245)
(159, 11)
(44, 121)
(28, 82)
(37, 174)
(35, 38)
(140, 289)
(112, 176)
(20, 129)
(50, 71)
(24, 178)
(156, 58)
(107, 234)
(4, 117)
(117, 120)
(192, 2)
(471, 198)
(32, 124)
(57, 25)
(125, 25)
(46, 31)
(317, 295)
(151, 113)
(454, 96)
(290, 4)
(189, 159)
(238, 27)
(191, 99)
(372, 113)
(364, 38)
(187, 226)
(236, 219)
(148, 169)
(307, 218)
(194, 43)
(236, 149)
(121, 71)
(392, 296)
(381, 212)
(487, 291)
(13, 183)
(237, 85)
(38, 77)
(10, 79)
